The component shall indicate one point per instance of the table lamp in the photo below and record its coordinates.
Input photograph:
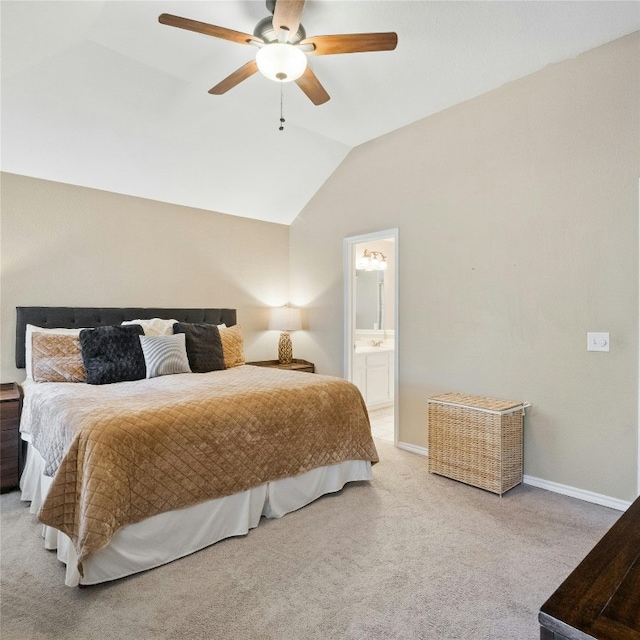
(285, 319)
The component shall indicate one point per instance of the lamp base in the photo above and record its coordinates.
(285, 348)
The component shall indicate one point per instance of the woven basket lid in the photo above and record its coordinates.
(476, 402)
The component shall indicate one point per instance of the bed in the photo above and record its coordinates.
(126, 476)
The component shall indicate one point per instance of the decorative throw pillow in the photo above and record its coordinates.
(30, 329)
(232, 346)
(112, 354)
(165, 355)
(204, 348)
(56, 358)
(154, 326)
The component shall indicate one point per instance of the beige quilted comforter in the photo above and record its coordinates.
(120, 453)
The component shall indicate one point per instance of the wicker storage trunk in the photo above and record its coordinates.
(476, 440)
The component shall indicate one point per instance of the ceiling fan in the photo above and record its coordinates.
(283, 47)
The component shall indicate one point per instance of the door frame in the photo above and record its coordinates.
(349, 323)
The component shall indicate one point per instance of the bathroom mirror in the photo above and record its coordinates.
(370, 312)
(374, 289)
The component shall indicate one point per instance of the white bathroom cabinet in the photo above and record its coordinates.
(373, 375)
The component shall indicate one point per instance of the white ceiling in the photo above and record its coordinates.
(99, 94)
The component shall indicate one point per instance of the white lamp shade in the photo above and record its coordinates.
(285, 319)
(281, 62)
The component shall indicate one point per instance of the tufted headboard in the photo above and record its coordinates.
(78, 317)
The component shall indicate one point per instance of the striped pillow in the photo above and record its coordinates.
(165, 355)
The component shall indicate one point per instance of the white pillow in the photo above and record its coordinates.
(154, 326)
(30, 330)
(165, 355)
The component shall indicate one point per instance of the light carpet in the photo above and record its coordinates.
(407, 556)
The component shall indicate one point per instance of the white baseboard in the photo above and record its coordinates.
(556, 487)
(421, 451)
(581, 494)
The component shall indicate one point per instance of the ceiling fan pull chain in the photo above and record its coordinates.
(281, 128)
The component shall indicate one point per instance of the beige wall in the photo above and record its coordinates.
(70, 246)
(518, 233)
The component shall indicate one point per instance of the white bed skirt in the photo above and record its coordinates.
(168, 536)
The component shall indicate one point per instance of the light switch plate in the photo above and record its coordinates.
(598, 341)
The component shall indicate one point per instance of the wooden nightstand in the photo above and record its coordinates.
(296, 365)
(600, 597)
(10, 444)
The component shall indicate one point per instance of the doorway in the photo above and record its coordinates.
(371, 325)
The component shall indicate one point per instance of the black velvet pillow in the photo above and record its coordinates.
(113, 354)
(204, 347)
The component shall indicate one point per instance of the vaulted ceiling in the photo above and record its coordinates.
(99, 94)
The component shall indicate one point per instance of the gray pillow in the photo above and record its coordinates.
(204, 347)
(165, 355)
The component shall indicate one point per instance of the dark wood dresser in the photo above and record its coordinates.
(10, 444)
(601, 598)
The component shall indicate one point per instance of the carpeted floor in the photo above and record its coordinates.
(407, 556)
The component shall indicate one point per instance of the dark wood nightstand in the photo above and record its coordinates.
(601, 597)
(10, 443)
(296, 365)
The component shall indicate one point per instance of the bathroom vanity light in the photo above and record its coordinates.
(372, 261)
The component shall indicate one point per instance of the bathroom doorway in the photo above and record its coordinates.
(370, 325)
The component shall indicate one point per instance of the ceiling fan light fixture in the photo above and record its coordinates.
(281, 62)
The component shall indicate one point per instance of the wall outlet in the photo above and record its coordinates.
(598, 341)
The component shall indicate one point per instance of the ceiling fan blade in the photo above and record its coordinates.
(312, 87)
(287, 15)
(352, 43)
(207, 29)
(235, 78)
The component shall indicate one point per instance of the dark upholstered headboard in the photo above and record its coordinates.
(78, 317)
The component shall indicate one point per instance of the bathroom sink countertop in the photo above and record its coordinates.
(372, 349)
